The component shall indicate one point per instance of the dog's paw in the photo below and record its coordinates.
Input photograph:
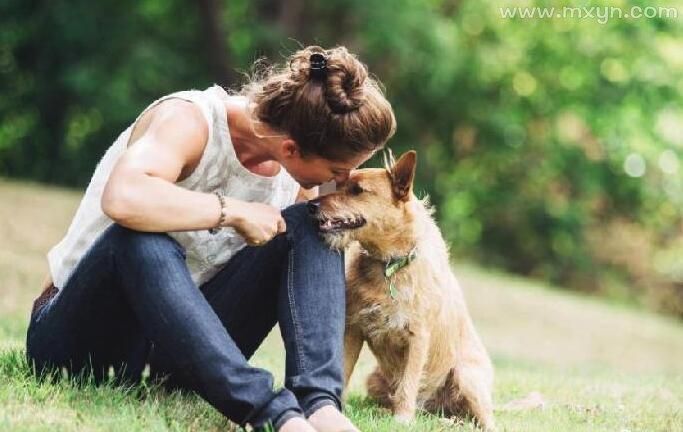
(406, 417)
(487, 425)
(490, 428)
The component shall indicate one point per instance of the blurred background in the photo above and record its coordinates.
(551, 147)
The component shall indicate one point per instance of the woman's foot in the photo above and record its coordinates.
(296, 424)
(329, 419)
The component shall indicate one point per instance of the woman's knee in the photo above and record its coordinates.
(304, 236)
(299, 220)
(141, 244)
(296, 213)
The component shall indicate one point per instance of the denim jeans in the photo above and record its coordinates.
(132, 293)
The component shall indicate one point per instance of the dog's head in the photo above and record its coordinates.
(372, 207)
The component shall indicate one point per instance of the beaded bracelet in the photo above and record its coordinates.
(221, 220)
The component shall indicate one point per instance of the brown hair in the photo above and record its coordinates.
(335, 118)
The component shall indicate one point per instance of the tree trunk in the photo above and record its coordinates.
(210, 12)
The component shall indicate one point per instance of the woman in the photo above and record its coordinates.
(187, 247)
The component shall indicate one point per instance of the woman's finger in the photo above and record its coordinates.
(281, 225)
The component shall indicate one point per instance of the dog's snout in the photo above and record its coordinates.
(314, 206)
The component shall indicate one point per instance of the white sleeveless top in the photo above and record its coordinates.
(218, 170)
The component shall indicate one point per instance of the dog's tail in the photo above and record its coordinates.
(532, 401)
(379, 388)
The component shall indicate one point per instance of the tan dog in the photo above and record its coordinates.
(408, 307)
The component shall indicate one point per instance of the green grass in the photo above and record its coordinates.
(599, 366)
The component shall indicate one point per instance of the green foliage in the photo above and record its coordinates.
(537, 136)
(74, 75)
(545, 143)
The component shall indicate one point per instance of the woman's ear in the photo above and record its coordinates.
(289, 148)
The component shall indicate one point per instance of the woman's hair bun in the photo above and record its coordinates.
(345, 84)
(335, 110)
(344, 80)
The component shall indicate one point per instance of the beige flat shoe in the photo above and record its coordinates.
(329, 419)
(297, 424)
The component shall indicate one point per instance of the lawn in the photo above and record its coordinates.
(598, 366)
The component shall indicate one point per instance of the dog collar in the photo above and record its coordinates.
(395, 264)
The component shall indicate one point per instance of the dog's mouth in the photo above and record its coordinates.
(332, 225)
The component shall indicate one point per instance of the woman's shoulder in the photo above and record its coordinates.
(175, 128)
(176, 117)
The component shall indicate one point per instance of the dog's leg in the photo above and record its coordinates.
(474, 375)
(379, 388)
(405, 397)
(353, 343)
(476, 393)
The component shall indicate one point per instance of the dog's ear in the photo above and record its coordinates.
(402, 175)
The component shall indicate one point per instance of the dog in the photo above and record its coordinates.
(403, 299)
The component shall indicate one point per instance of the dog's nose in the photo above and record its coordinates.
(313, 206)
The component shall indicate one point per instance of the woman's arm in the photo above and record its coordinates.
(141, 193)
(313, 193)
(166, 145)
(306, 194)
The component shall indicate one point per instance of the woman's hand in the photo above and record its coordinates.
(258, 223)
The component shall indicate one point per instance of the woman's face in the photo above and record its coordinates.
(311, 171)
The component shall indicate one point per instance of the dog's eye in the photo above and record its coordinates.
(355, 189)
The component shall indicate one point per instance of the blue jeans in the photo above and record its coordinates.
(132, 293)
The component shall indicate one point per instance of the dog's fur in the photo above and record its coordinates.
(429, 354)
